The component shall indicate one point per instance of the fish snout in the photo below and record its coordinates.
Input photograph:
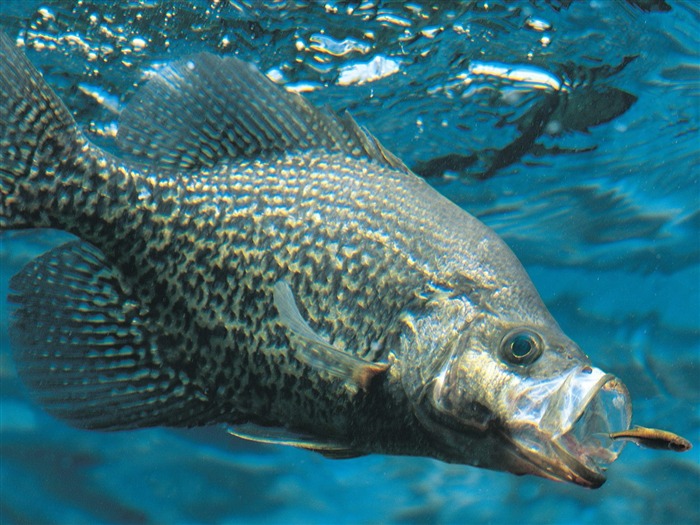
(561, 427)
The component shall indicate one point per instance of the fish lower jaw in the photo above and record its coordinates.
(552, 460)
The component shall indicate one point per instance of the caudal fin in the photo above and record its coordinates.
(36, 131)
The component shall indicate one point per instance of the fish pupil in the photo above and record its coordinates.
(521, 346)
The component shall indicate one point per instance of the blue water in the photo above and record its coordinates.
(573, 131)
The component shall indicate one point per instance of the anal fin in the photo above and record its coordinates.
(317, 351)
(87, 350)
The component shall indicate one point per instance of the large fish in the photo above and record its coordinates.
(255, 262)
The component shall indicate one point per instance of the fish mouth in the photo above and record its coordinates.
(562, 427)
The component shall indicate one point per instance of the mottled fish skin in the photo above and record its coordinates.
(163, 312)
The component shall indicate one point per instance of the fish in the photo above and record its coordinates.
(654, 438)
(250, 261)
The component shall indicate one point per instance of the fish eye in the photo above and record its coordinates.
(521, 347)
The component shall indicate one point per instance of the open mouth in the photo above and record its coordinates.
(563, 426)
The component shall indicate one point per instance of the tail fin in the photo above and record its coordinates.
(36, 130)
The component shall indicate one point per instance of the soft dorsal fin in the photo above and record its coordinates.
(204, 109)
(319, 353)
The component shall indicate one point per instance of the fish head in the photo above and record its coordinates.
(520, 396)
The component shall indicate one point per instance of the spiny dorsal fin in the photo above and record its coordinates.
(319, 353)
(204, 109)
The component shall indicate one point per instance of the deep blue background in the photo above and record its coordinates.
(610, 235)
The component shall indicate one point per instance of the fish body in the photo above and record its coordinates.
(252, 261)
(654, 438)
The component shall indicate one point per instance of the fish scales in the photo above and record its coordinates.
(248, 259)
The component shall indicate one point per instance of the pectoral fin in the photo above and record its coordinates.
(317, 352)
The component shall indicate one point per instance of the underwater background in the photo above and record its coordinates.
(570, 127)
